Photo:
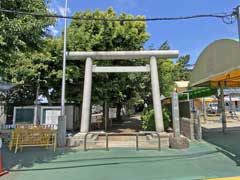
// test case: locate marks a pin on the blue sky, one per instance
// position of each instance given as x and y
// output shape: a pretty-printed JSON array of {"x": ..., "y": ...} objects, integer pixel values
[{"x": 188, "y": 36}]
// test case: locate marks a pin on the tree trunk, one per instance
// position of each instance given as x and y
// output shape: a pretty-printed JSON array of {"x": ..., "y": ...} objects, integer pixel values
[
  {"x": 49, "y": 99},
  {"x": 103, "y": 117},
  {"x": 119, "y": 107},
  {"x": 125, "y": 112},
  {"x": 106, "y": 115}
]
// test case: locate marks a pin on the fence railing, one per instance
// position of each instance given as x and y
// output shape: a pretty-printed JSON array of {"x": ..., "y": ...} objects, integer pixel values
[
  {"x": 137, "y": 134},
  {"x": 13, "y": 126}
]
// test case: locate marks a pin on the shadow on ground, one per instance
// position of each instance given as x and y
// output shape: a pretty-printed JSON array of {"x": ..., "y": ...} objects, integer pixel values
[
  {"x": 109, "y": 161},
  {"x": 227, "y": 143},
  {"x": 200, "y": 160},
  {"x": 29, "y": 156},
  {"x": 129, "y": 125}
]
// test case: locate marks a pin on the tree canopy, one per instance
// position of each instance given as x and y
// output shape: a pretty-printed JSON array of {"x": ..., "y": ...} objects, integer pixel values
[
  {"x": 27, "y": 49},
  {"x": 105, "y": 36},
  {"x": 22, "y": 42}
]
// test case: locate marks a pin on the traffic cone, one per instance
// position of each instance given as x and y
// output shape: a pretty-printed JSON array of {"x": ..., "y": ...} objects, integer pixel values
[{"x": 2, "y": 172}]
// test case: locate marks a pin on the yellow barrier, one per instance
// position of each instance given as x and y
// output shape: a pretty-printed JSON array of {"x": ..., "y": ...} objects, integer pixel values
[{"x": 31, "y": 136}]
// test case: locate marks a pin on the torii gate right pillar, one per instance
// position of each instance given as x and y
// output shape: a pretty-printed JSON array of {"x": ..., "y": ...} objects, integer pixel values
[{"x": 156, "y": 95}]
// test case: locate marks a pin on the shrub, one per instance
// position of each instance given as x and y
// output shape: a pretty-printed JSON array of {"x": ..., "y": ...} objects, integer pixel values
[{"x": 148, "y": 122}]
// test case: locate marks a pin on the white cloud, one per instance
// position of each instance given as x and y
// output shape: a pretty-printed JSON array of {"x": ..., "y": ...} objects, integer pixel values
[
  {"x": 53, "y": 31},
  {"x": 52, "y": 10},
  {"x": 61, "y": 10},
  {"x": 57, "y": 7}
]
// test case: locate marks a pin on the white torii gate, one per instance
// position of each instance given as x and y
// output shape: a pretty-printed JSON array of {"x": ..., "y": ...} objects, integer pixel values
[{"x": 121, "y": 55}]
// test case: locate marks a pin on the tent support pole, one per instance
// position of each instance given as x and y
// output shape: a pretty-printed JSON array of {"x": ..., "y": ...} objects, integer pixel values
[{"x": 224, "y": 123}]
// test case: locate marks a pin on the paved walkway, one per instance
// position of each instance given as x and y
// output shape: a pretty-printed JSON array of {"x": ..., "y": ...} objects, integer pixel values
[
  {"x": 215, "y": 124},
  {"x": 132, "y": 124},
  {"x": 228, "y": 143},
  {"x": 216, "y": 157},
  {"x": 201, "y": 160}
]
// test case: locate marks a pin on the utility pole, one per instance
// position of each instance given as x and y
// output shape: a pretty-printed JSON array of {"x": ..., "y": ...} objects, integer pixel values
[
  {"x": 237, "y": 12},
  {"x": 64, "y": 63},
  {"x": 224, "y": 123},
  {"x": 61, "y": 131},
  {"x": 36, "y": 120}
]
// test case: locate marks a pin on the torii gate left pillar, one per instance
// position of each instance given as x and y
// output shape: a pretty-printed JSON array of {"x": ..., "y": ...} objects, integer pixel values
[{"x": 87, "y": 91}]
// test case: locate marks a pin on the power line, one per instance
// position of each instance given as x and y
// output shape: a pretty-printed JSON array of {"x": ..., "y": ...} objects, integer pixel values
[{"x": 227, "y": 18}]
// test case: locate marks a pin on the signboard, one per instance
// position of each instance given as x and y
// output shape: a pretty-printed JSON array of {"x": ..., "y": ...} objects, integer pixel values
[
  {"x": 23, "y": 114},
  {"x": 51, "y": 116},
  {"x": 112, "y": 113}
]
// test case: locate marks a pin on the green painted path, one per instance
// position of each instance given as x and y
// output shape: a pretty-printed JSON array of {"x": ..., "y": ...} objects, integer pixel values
[{"x": 201, "y": 160}]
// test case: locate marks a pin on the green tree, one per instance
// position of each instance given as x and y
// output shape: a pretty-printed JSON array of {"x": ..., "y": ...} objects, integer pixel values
[
  {"x": 182, "y": 69},
  {"x": 170, "y": 71},
  {"x": 166, "y": 69},
  {"x": 148, "y": 121},
  {"x": 22, "y": 42},
  {"x": 104, "y": 36}
]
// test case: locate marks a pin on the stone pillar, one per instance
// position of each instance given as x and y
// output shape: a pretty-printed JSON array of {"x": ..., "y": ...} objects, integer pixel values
[
  {"x": 61, "y": 131},
  {"x": 198, "y": 126},
  {"x": 224, "y": 123},
  {"x": 156, "y": 95},
  {"x": 175, "y": 115},
  {"x": 86, "y": 103}
]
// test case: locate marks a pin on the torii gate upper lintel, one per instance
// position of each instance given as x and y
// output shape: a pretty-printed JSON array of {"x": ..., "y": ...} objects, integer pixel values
[{"x": 121, "y": 55}]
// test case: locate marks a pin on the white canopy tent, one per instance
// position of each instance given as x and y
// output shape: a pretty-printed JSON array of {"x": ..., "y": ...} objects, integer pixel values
[{"x": 218, "y": 66}]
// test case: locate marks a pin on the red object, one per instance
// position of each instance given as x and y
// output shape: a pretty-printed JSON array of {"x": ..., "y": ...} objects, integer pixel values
[{"x": 2, "y": 172}]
